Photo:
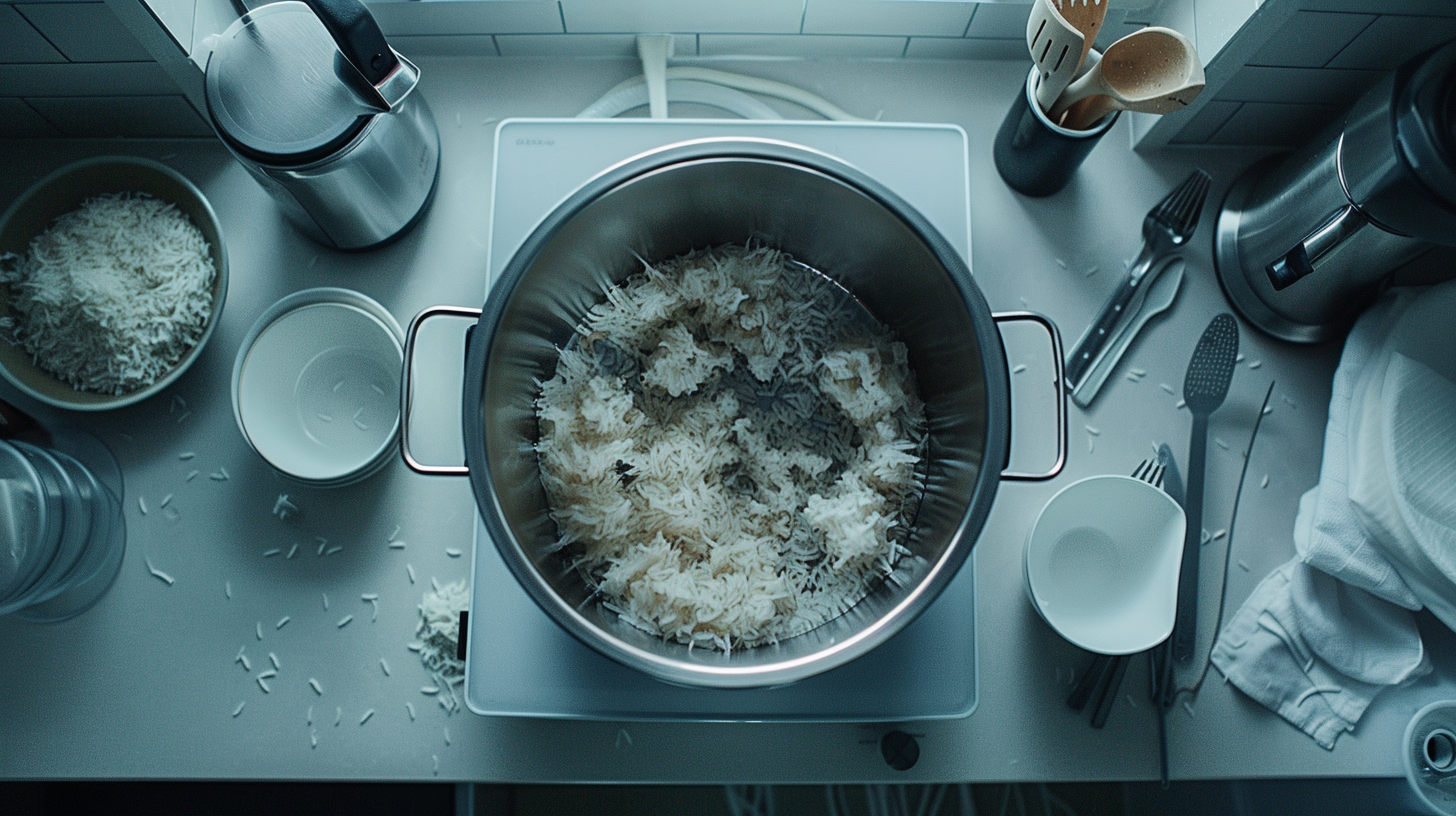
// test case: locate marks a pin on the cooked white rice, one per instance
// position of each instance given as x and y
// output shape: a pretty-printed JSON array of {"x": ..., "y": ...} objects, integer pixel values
[
  {"x": 112, "y": 295},
  {"x": 731, "y": 449}
]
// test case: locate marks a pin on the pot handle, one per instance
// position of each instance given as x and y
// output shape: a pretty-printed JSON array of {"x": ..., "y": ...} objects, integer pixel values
[
  {"x": 406, "y": 391},
  {"x": 1061, "y": 394}
]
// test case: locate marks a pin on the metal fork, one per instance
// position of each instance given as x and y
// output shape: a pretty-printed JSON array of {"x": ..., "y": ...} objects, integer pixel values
[
  {"x": 1166, "y": 229},
  {"x": 1103, "y": 678}
]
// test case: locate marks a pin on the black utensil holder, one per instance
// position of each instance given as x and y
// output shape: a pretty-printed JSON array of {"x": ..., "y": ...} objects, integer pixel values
[{"x": 1036, "y": 157}]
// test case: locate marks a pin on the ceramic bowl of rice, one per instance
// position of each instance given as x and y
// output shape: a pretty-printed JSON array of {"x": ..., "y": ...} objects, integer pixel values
[
  {"x": 735, "y": 414},
  {"x": 113, "y": 274}
]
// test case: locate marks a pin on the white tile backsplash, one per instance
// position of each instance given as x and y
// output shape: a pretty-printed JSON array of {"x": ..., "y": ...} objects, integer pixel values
[
  {"x": 800, "y": 45},
  {"x": 210, "y": 17},
  {"x": 567, "y": 45},
  {"x": 1202, "y": 126},
  {"x": 19, "y": 120},
  {"x": 999, "y": 20},
  {"x": 965, "y": 48},
  {"x": 929, "y": 19},
  {"x": 1432, "y": 8},
  {"x": 670, "y": 16},
  {"x": 1392, "y": 39},
  {"x": 1307, "y": 58},
  {"x": 1310, "y": 39},
  {"x": 1275, "y": 124},
  {"x": 85, "y": 79},
  {"x": 176, "y": 18},
  {"x": 84, "y": 32},
  {"x": 127, "y": 116},
  {"x": 470, "y": 17},
  {"x": 1324, "y": 86},
  {"x": 21, "y": 43},
  {"x": 1216, "y": 22},
  {"x": 445, "y": 45}
]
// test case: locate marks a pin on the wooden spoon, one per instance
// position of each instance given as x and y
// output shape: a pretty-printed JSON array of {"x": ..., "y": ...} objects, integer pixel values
[
  {"x": 1154, "y": 70},
  {"x": 1086, "y": 16},
  {"x": 1055, "y": 47}
]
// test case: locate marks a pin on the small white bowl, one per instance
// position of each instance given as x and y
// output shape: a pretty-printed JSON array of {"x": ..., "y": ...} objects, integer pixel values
[
  {"x": 1102, "y": 564},
  {"x": 316, "y": 386}
]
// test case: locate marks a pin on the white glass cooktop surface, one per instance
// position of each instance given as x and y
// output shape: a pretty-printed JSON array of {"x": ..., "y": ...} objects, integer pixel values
[{"x": 519, "y": 662}]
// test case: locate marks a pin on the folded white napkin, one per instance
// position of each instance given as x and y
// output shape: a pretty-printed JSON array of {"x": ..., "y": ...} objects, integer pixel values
[
  {"x": 1322, "y": 635},
  {"x": 1316, "y": 650}
]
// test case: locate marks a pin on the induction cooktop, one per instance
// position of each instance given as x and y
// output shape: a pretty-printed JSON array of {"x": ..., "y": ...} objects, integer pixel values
[{"x": 519, "y": 661}]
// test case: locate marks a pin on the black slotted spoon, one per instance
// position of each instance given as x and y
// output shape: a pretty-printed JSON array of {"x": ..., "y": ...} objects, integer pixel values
[{"x": 1204, "y": 388}]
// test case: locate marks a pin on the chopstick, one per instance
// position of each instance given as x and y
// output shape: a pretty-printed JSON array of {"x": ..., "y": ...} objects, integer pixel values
[
  {"x": 1098, "y": 686},
  {"x": 1109, "y": 692}
]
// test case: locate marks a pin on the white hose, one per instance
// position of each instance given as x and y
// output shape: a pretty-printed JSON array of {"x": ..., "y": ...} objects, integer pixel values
[
  {"x": 740, "y": 82},
  {"x": 620, "y": 100},
  {"x": 653, "y": 50}
]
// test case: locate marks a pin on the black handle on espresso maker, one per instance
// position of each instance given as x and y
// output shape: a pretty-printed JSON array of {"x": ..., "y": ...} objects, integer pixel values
[{"x": 358, "y": 37}]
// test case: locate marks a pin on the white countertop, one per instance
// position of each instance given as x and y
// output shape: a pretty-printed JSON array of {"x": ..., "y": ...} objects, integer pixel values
[{"x": 144, "y": 685}]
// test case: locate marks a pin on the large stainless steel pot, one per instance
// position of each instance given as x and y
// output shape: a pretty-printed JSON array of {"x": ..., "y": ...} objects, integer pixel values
[{"x": 824, "y": 213}]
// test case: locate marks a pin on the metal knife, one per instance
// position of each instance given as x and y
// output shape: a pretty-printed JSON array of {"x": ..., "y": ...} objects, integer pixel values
[
  {"x": 1172, "y": 480},
  {"x": 1149, "y": 301},
  {"x": 1166, "y": 230},
  {"x": 1161, "y": 663}
]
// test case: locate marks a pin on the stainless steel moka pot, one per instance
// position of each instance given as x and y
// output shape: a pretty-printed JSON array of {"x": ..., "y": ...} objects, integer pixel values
[
  {"x": 1304, "y": 243},
  {"x": 317, "y": 106}
]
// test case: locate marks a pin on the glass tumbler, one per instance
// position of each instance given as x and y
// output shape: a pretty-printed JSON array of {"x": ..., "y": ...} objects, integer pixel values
[{"x": 61, "y": 530}]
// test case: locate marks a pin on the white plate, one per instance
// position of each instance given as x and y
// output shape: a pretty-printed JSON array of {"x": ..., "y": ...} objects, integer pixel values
[
  {"x": 1102, "y": 564},
  {"x": 316, "y": 385}
]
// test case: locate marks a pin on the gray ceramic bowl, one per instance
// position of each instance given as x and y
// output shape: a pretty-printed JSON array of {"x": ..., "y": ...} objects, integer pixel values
[{"x": 65, "y": 190}]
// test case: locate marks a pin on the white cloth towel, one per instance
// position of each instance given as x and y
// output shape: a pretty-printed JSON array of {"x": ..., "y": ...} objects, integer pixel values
[
  {"x": 1316, "y": 650},
  {"x": 1326, "y": 632}
]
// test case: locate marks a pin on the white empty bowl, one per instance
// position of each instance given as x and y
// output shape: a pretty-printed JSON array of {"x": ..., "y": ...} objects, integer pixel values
[
  {"x": 316, "y": 386},
  {"x": 1102, "y": 564}
]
